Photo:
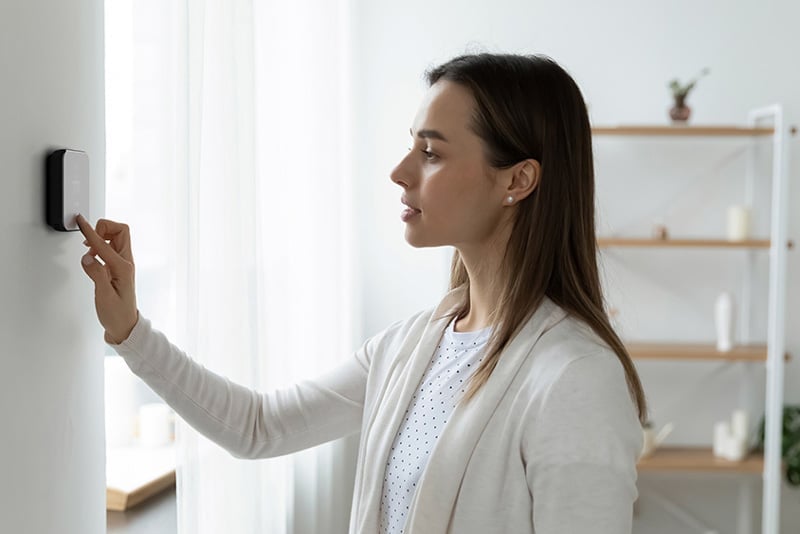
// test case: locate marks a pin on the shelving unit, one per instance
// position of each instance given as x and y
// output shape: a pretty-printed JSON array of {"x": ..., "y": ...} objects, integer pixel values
[
  {"x": 702, "y": 243},
  {"x": 772, "y": 353}
]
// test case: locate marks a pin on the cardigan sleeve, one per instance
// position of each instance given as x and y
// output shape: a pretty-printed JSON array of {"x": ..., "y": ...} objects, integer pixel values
[
  {"x": 581, "y": 450},
  {"x": 245, "y": 422}
]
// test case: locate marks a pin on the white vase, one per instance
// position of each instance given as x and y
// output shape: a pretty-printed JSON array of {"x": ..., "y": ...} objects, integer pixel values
[{"x": 723, "y": 318}]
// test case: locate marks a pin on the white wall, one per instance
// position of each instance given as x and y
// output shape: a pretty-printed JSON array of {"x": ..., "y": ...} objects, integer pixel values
[
  {"x": 52, "y": 455},
  {"x": 621, "y": 54}
]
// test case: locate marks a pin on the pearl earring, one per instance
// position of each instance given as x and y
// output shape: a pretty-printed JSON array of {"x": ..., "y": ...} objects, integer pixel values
[{"x": 510, "y": 200}]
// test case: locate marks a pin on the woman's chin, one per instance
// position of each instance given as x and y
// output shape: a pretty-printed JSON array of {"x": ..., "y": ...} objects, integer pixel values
[
  {"x": 414, "y": 243},
  {"x": 416, "y": 240}
]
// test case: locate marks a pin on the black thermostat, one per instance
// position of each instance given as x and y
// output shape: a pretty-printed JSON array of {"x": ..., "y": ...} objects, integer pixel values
[{"x": 67, "y": 188}]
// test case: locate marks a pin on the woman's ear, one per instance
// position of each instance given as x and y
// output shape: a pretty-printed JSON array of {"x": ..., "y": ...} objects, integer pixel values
[{"x": 525, "y": 178}]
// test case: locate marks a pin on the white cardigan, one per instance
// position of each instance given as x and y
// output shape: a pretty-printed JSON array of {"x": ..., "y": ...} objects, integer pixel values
[{"x": 548, "y": 446}]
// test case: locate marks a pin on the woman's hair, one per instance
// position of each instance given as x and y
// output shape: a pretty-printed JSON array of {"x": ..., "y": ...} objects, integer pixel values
[{"x": 528, "y": 107}]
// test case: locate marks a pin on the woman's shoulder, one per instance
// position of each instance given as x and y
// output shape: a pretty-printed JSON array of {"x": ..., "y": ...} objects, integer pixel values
[
  {"x": 570, "y": 344},
  {"x": 571, "y": 369},
  {"x": 572, "y": 338}
]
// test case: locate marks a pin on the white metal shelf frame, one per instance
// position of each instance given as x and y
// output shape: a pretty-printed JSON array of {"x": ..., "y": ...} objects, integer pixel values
[{"x": 776, "y": 322}]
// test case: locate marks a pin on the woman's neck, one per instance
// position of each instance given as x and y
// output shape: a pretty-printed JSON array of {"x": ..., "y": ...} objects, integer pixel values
[{"x": 483, "y": 269}]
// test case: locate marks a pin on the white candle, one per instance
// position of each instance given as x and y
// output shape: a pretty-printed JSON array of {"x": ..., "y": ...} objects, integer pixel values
[
  {"x": 722, "y": 433},
  {"x": 738, "y": 223},
  {"x": 740, "y": 425},
  {"x": 735, "y": 449}
]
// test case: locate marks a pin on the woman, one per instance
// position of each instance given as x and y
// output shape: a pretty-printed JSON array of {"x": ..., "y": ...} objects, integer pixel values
[{"x": 510, "y": 407}]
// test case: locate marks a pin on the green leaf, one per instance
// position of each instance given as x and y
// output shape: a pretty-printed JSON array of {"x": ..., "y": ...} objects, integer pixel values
[{"x": 790, "y": 442}]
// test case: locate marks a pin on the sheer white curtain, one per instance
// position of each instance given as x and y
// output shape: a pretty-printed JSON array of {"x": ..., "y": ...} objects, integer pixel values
[{"x": 240, "y": 134}]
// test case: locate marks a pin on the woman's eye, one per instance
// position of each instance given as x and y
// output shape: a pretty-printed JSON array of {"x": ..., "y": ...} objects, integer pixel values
[{"x": 429, "y": 154}]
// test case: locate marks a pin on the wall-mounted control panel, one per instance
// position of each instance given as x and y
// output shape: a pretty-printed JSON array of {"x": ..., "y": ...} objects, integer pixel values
[{"x": 67, "y": 188}]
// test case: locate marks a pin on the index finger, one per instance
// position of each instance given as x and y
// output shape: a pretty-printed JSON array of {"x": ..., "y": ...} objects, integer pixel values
[
  {"x": 119, "y": 234},
  {"x": 103, "y": 249}
]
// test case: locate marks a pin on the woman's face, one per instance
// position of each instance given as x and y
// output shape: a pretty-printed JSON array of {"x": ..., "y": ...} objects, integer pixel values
[{"x": 446, "y": 176}]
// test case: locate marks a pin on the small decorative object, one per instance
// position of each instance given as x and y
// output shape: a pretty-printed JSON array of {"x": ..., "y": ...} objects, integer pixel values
[
  {"x": 722, "y": 433},
  {"x": 730, "y": 437},
  {"x": 790, "y": 443},
  {"x": 738, "y": 223},
  {"x": 679, "y": 113},
  {"x": 740, "y": 424},
  {"x": 651, "y": 439},
  {"x": 735, "y": 450},
  {"x": 659, "y": 230},
  {"x": 723, "y": 318}
]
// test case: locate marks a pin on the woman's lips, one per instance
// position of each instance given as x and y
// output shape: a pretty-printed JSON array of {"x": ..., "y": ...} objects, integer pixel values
[{"x": 409, "y": 213}]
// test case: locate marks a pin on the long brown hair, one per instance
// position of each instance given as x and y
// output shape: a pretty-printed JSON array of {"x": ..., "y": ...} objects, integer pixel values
[{"x": 528, "y": 107}]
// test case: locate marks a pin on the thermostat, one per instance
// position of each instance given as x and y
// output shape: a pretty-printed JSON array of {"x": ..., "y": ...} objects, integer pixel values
[{"x": 67, "y": 188}]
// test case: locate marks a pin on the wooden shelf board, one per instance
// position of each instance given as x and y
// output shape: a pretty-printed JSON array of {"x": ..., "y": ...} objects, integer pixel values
[
  {"x": 688, "y": 242},
  {"x": 134, "y": 474},
  {"x": 698, "y": 459},
  {"x": 696, "y": 351},
  {"x": 673, "y": 130},
  {"x": 119, "y": 500}
]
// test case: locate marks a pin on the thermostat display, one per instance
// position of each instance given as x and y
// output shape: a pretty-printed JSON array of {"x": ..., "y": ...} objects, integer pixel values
[{"x": 67, "y": 188}]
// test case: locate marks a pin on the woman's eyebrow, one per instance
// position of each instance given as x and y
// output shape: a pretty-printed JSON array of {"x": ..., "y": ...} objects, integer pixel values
[{"x": 433, "y": 134}]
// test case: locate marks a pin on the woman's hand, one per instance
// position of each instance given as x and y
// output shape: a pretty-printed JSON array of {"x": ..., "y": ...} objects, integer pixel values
[{"x": 114, "y": 287}]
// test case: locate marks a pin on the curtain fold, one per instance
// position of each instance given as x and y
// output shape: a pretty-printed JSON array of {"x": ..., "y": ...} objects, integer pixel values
[
  {"x": 229, "y": 157},
  {"x": 263, "y": 226}
]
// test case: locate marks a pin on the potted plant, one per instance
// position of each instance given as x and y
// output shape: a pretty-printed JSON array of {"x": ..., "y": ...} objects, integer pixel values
[
  {"x": 680, "y": 112},
  {"x": 790, "y": 443}
]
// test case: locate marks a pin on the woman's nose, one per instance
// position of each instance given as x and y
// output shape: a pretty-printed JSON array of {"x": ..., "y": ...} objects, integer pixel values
[{"x": 399, "y": 174}]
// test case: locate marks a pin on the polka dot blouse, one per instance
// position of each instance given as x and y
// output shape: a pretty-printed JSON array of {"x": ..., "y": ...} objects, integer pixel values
[{"x": 442, "y": 385}]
